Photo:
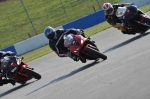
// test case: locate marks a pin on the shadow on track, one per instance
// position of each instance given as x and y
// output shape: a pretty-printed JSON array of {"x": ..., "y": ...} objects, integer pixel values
[
  {"x": 14, "y": 89},
  {"x": 68, "y": 75},
  {"x": 126, "y": 42}
]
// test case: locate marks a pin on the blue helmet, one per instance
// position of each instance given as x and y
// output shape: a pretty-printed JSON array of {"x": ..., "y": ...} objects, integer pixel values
[{"x": 50, "y": 32}]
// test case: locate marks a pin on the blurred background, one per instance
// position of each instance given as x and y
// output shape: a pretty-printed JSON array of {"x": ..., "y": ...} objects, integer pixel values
[{"x": 22, "y": 19}]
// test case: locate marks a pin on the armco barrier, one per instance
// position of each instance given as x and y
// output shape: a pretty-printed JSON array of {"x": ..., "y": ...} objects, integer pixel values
[
  {"x": 32, "y": 43},
  {"x": 87, "y": 21}
]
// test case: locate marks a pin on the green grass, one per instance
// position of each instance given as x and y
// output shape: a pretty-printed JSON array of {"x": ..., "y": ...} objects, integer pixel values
[
  {"x": 15, "y": 26},
  {"x": 88, "y": 32},
  {"x": 146, "y": 8}
]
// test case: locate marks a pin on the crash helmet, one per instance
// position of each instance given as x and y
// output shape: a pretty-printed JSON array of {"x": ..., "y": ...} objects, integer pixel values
[
  {"x": 108, "y": 8},
  {"x": 50, "y": 32}
]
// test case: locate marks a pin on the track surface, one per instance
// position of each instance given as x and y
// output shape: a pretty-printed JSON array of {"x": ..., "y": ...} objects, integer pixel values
[{"x": 124, "y": 75}]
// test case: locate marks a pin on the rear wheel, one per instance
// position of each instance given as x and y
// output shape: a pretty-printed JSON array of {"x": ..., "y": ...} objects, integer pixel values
[
  {"x": 32, "y": 73},
  {"x": 96, "y": 53}
]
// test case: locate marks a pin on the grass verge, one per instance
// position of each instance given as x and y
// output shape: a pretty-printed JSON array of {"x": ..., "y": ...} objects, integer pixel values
[
  {"x": 88, "y": 32},
  {"x": 15, "y": 24}
]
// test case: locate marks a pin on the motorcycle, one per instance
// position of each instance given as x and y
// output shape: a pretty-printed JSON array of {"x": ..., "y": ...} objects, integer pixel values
[
  {"x": 15, "y": 69},
  {"x": 131, "y": 18},
  {"x": 82, "y": 47}
]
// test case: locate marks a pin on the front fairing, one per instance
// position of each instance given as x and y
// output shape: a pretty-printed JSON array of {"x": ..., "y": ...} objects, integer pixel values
[
  {"x": 14, "y": 66},
  {"x": 121, "y": 11},
  {"x": 77, "y": 46},
  {"x": 76, "y": 43}
]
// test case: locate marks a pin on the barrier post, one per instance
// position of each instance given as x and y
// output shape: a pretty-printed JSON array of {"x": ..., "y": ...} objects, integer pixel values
[
  {"x": 28, "y": 17},
  {"x": 64, "y": 10}
]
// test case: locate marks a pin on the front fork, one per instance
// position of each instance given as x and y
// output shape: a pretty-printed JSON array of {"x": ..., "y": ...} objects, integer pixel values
[
  {"x": 91, "y": 44},
  {"x": 22, "y": 68}
]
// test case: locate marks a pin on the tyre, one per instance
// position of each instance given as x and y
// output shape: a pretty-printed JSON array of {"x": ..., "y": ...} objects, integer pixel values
[
  {"x": 147, "y": 20},
  {"x": 32, "y": 73},
  {"x": 96, "y": 53}
]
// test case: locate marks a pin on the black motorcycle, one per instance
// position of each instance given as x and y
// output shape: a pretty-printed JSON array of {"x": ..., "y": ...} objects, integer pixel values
[{"x": 132, "y": 18}]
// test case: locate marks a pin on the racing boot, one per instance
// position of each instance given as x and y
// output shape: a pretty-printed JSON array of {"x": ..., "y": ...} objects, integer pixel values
[
  {"x": 12, "y": 82},
  {"x": 5, "y": 81},
  {"x": 83, "y": 60},
  {"x": 128, "y": 32}
]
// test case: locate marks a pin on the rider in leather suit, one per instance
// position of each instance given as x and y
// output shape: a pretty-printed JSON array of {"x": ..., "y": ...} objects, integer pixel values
[
  {"x": 112, "y": 19},
  {"x": 5, "y": 81},
  {"x": 54, "y": 35}
]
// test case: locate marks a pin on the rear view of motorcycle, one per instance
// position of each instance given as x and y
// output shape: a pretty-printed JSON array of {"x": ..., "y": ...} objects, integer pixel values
[
  {"x": 15, "y": 69},
  {"x": 83, "y": 47},
  {"x": 133, "y": 19}
]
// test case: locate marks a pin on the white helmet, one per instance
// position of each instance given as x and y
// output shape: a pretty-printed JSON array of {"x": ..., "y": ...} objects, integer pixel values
[{"x": 108, "y": 8}]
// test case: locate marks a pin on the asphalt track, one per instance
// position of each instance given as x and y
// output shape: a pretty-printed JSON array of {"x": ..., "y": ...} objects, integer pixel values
[{"x": 124, "y": 75}]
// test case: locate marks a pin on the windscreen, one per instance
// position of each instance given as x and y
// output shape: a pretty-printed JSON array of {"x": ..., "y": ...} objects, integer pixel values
[
  {"x": 68, "y": 39},
  {"x": 120, "y": 11}
]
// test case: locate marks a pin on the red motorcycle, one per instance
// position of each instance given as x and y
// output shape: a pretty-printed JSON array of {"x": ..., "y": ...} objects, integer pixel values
[
  {"x": 15, "y": 69},
  {"x": 82, "y": 47}
]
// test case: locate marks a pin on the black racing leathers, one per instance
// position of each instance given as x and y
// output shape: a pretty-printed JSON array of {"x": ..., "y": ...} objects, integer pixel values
[
  {"x": 114, "y": 20},
  {"x": 61, "y": 51}
]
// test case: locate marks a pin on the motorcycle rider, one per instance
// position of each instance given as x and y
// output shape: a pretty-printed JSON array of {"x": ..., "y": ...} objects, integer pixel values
[
  {"x": 54, "y": 35},
  {"x": 2, "y": 73},
  {"x": 112, "y": 19}
]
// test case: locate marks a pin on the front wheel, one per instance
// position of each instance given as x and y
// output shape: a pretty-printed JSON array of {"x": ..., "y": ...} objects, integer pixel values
[
  {"x": 32, "y": 73},
  {"x": 96, "y": 53}
]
